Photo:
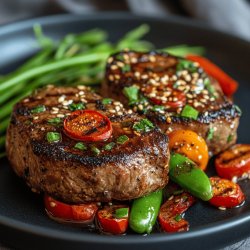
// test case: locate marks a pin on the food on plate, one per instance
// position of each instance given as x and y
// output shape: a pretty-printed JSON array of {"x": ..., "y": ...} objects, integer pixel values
[
  {"x": 226, "y": 194},
  {"x": 46, "y": 148},
  {"x": 234, "y": 162},
  {"x": 174, "y": 93}
]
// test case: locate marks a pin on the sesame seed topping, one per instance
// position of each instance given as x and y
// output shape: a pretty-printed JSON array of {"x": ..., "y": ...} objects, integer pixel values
[{"x": 60, "y": 116}]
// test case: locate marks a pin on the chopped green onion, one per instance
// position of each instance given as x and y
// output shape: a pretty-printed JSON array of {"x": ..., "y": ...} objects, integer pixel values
[
  {"x": 209, "y": 87},
  {"x": 80, "y": 146},
  {"x": 185, "y": 64},
  {"x": 106, "y": 101},
  {"x": 121, "y": 212},
  {"x": 126, "y": 68},
  {"x": 38, "y": 109},
  {"x": 131, "y": 93},
  {"x": 177, "y": 217},
  {"x": 158, "y": 108},
  {"x": 238, "y": 109},
  {"x": 76, "y": 106},
  {"x": 53, "y": 137},
  {"x": 95, "y": 150},
  {"x": 184, "y": 50},
  {"x": 122, "y": 139},
  {"x": 229, "y": 138},
  {"x": 55, "y": 121},
  {"x": 210, "y": 134},
  {"x": 190, "y": 112},
  {"x": 143, "y": 125},
  {"x": 120, "y": 57},
  {"x": 109, "y": 146}
]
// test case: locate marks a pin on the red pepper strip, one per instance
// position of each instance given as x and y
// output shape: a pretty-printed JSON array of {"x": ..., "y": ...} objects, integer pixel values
[
  {"x": 170, "y": 216},
  {"x": 228, "y": 84}
]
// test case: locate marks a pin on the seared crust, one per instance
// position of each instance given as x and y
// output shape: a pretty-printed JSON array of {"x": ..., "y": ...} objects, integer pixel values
[
  {"x": 153, "y": 73},
  {"x": 129, "y": 170}
]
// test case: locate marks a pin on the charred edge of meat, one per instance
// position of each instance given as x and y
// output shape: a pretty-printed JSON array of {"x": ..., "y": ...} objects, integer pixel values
[{"x": 57, "y": 152}]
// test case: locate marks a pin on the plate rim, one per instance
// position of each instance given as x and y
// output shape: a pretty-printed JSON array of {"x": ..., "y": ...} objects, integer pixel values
[{"x": 199, "y": 231}]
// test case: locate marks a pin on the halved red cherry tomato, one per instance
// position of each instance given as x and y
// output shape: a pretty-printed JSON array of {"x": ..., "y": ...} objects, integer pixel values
[
  {"x": 83, "y": 213},
  {"x": 191, "y": 145},
  {"x": 234, "y": 162},
  {"x": 226, "y": 193},
  {"x": 109, "y": 222},
  {"x": 228, "y": 84},
  {"x": 88, "y": 125},
  {"x": 170, "y": 216}
]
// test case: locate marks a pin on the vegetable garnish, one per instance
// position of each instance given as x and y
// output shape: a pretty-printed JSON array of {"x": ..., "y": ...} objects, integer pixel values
[
  {"x": 76, "y": 106},
  {"x": 122, "y": 139},
  {"x": 53, "y": 137},
  {"x": 83, "y": 213},
  {"x": 126, "y": 68},
  {"x": 38, "y": 109},
  {"x": 185, "y": 173},
  {"x": 80, "y": 146},
  {"x": 109, "y": 146},
  {"x": 143, "y": 125},
  {"x": 113, "y": 219},
  {"x": 95, "y": 150},
  {"x": 234, "y": 162},
  {"x": 170, "y": 215},
  {"x": 226, "y": 194},
  {"x": 190, "y": 112},
  {"x": 228, "y": 85},
  {"x": 87, "y": 125},
  {"x": 106, "y": 101},
  {"x": 191, "y": 145},
  {"x": 157, "y": 108},
  {"x": 186, "y": 65},
  {"x": 131, "y": 93},
  {"x": 55, "y": 121},
  {"x": 210, "y": 134}
]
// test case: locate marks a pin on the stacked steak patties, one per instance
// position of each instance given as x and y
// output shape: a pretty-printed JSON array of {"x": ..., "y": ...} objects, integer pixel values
[
  {"x": 174, "y": 94},
  {"x": 78, "y": 147}
]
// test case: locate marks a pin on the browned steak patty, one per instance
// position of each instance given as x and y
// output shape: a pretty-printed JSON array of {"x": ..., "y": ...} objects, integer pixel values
[
  {"x": 163, "y": 86},
  {"x": 126, "y": 171}
]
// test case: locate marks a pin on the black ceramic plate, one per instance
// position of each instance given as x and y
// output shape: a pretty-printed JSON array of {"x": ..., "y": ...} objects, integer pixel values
[{"x": 23, "y": 222}]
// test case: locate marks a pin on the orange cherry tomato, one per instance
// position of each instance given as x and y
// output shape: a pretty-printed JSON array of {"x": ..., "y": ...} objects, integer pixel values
[
  {"x": 228, "y": 84},
  {"x": 234, "y": 162},
  {"x": 87, "y": 125},
  {"x": 111, "y": 224},
  {"x": 58, "y": 210},
  {"x": 226, "y": 193},
  {"x": 191, "y": 145},
  {"x": 170, "y": 215}
]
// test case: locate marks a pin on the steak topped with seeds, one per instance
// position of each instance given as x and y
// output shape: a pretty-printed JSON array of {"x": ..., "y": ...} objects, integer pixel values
[
  {"x": 174, "y": 94},
  {"x": 131, "y": 163}
]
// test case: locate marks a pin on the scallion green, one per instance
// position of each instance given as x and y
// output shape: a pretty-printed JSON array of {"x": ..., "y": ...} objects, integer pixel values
[
  {"x": 53, "y": 137},
  {"x": 190, "y": 112}
]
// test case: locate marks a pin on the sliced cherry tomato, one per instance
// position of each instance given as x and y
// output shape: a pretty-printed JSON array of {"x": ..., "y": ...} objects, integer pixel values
[
  {"x": 88, "y": 125},
  {"x": 170, "y": 216},
  {"x": 191, "y": 145},
  {"x": 228, "y": 84},
  {"x": 83, "y": 213},
  {"x": 234, "y": 162},
  {"x": 226, "y": 193},
  {"x": 109, "y": 222}
]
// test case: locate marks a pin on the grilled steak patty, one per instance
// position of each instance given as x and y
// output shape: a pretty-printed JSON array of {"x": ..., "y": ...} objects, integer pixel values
[
  {"x": 161, "y": 86},
  {"x": 126, "y": 171}
]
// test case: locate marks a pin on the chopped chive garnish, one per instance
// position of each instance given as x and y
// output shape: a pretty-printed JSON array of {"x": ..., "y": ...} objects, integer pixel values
[
  {"x": 120, "y": 57},
  {"x": 229, "y": 138},
  {"x": 106, "y": 101},
  {"x": 209, "y": 87},
  {"x": 210, "y": 134},
  {"x": 55, "y": 121},
  {"x": 238, "y": 109},
  {"x": 53, "y": 137},
  {"x": 143, "y": 125},
  {"x": 121, "y": 212},
  {"x": 76, "y": 106},
  {"x": 158, "y": 108},
  {"x": 185, "y": 64},
  {"x": 177, "y": 217},
  {"x": 190, "y": 112},
  {"x": 175, "y": 85},
  {"x": 126, "y": 68},
  {"x": 122, "y": 139},
  {"x": 80, "y": 146},
  {"x": 109, "y": 146},
  {"x": 131, "y": 93},
  {"x": 38, "y": 109},
  {"x": 95, "y": 150}
]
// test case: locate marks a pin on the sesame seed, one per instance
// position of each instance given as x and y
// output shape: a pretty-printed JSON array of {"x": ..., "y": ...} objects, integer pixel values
[
  {"x": 137, "y": 133},
  {"x": 130, "y": 111},
  {"x": 117, "y": 77},
  {"x": 42, "y": 128},
  {"x": 117, "y": 108},
  {"x": 169, "y": 120},
  {"x": 61, "y": 98},
  {"x": 222, "y": 208},
  {"x": 81, "y": 93},
  {"x": 55, "y": 108},
  {"x": 171, "y": 198},
  {"x": 112, "y": 111},
  {"x": 188, "y": 78},
  {"x": 54, "y": 112},
  {"x": 120, "y": 64},
  {"x": 82, "y": 87},
  {"x": 60, "y": 116},
  {"x": 111, "y": 78},
  {"x": 137, "y": 74},
  {"x": 35, "y": 117},
  {"x": 140, "y": 107},
  {"x": 26, "y": 100},
  {"x": 144, "y": 76},
  {"x": 119, "y": 113},
  {"x": 110, "y": 60},
  {"x": 114, "y": 67},
  {"x": 133, "y": 60}
]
